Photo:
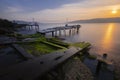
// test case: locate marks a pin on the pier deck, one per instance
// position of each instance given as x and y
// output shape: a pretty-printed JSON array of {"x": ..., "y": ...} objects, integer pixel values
[{"x": 55, "y": 29}]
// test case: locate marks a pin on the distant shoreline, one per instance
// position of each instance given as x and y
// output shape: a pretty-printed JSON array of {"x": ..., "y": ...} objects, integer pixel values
[{"x": 98, "y": 20}]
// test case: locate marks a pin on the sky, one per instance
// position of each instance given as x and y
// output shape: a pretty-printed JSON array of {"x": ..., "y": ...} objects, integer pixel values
[{"x": 58, "y": 10}]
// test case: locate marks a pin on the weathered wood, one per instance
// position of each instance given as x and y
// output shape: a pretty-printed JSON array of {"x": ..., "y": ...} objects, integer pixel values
[
  {"x": 31, "y": 69},
  {"x": 15, "y": 42},
  {"x": 52, "y": 34},
  {"x": 23, "y": 52}
]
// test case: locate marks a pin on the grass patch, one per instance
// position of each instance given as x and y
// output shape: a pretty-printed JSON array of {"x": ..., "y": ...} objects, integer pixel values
[
  {"x": 81, "y": 44},
  {"x": 41, "y": 45},
  {"x": 38, "y": 49},
  {"x": 36, "y": 35},
  {"x": 52, "y": 44},
  {"x": 21, "y": 36},
  {"x": 58, "y": 42}
]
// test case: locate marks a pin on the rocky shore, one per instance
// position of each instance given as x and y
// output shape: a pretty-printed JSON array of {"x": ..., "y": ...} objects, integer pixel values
[
  {"x": 117, "y": 70},
  {"x": 76, "y": 70},
  {"x": 73, "y": 69}
]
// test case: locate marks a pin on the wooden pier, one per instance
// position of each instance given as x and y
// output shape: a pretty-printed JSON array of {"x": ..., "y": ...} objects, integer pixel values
[
  {"x": 33, "y": 69},
  {"x": 62, "y": 28}
]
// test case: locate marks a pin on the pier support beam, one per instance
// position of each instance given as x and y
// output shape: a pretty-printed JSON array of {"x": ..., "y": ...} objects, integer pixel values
[
  {"x": 55, "y": 32},
  {"x": 28, "y": 27},
  {"x": 70, "y": 32},
  {"x": 78, "y": 27},
  {"x": 65, "y": 32},
  {"x": 60, "y": 32},
  {"x": 38, "y": 28},
  {"x": 52, "y": 33}
]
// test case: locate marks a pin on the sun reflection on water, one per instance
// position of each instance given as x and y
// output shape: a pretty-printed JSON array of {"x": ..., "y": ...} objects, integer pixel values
[{"x": 108, "y": 38}]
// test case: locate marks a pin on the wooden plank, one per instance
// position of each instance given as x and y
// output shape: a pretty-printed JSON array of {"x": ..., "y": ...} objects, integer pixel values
[
  {"x": 30, "y": 70},
  {"x": 23, "y": 52}
]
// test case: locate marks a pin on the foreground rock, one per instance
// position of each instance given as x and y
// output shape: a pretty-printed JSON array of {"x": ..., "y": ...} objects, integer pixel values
[
  {"x": 73, "y": 69},
  {"x": 117, "y": 70},
  {"x": 76, "y": 70}
]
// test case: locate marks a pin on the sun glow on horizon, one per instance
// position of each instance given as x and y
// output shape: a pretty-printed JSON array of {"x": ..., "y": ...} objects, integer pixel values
[{"x": 114, "y": 11}]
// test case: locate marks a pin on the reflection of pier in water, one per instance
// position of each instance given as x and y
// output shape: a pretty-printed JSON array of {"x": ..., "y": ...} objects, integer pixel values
[{"x": 54, "y": 30}]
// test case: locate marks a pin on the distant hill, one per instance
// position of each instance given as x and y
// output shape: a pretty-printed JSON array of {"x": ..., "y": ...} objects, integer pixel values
[{"x": 99, "y": 20}]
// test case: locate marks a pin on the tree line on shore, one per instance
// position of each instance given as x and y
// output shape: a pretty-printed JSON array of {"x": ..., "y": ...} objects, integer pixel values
[{"x": 7, "y": 26}]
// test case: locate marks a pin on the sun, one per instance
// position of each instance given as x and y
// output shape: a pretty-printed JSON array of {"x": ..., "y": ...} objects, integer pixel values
[{"x": 114, "y": 11}]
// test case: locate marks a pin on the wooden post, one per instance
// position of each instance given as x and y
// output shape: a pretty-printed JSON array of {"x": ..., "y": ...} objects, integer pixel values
[
  {"x": 26, "y": 27},
  {"x": 65, "y": 32},
  {"x": 104, "y": 56},
  {"x": 38, "y": 27},
  {"x": 52, "y": 33},
  {"x": 98, "y": 66},
  {"x": 69, "y": 31},
  {"x": 73, "y": 30},
  {"x": 35, "y": 28},
  {"x": 29, "y": 27},
  {"x": 78, "y": 28},
  {"x": 55, "y": 32},
  {"x": 59, "y": 32}
]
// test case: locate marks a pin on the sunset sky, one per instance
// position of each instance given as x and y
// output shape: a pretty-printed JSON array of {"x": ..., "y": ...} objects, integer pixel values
[{"x": 58, "y": 10}]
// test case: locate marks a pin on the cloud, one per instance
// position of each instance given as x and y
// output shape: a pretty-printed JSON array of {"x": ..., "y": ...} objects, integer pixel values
[
  {"x": 81, "y": 10},
  {"x": 74, "y": 11}
]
